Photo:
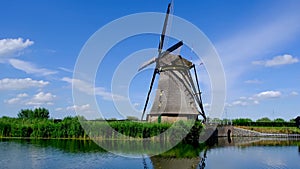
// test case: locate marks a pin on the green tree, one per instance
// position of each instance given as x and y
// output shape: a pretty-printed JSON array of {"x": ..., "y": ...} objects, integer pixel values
[
  {"x": 242, "y": 121},
  {"x": 132, "y": 118},
  {"x": 25, "y": 114},
  {"x": 264, "y": 119},
  {"x": 279, "y": 120},
  {"x": 41, "y": 113}
]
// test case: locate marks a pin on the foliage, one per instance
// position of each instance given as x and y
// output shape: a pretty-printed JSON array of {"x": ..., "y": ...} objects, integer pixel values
[
  {"x": 292, "y": 120},
  {"x": 264, "y": 119},
  {"x": 266, "y": 122},
  {"x": 132, "y": 118},
  {"x": 70, "y": 127},
  {"x": 41, "y": 113},
  {"x": 241, "y": 121},
  {"x": 132, "y": 129},
  {"x": 279, "y": 120}
]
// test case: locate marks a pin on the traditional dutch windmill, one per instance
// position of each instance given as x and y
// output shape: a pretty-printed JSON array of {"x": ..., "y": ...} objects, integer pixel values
[{"x": 177, "y": 96}]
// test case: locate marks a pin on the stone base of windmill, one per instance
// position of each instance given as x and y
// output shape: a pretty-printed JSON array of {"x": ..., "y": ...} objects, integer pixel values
[{"x": 170, "y": 117}]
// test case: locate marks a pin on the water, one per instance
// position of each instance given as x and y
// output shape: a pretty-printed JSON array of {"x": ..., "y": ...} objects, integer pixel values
[{"x": 65, "y": 154}]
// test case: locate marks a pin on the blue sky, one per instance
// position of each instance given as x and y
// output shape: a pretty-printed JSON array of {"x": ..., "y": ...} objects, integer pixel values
[{"x": 257, "y": 41}]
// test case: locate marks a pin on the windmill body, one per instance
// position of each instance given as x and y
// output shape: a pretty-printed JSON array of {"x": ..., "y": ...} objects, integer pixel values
[
  {"x": 174, "y": 99},
  {"x": 177, "y": 97}
]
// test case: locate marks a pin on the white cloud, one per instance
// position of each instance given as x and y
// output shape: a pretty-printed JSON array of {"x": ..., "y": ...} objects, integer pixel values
[
  {"x": 136, "y": 105},
  {"x": 268, "y": 94},
  {"x": 38, "y": 99},
  {"x": 41, "y": 98},
  {"x": 17, "y": 99},
  {"x": 84, "y": 107},
  {"x": 242, "y": 102},
  {"x": 58, "y": 109},
  {"x": 294, "y": 93},
  {"x": 66, "y": 69},
  {"x": 243, "y": 98},
  {"x": 12, "y": 100},
  {"x": 277, "y": 61},
  {"x": 255, "y": 102},
  {"x": 30, "y": 68},
  {"x": 11, "y": 46},
  {"x": 85, "y": 110},
  {"x": 239, "y": 103},
  {"x": 255, "y": 99},
  {"x": 17, "y": 84},
  {"x": 89, "y": 89},
  {"x": 254, "y": 81},
  {"x": 228, "y": 104},
  {"x": 206, "y": 105},
  {"x": 21, "y": 95}
]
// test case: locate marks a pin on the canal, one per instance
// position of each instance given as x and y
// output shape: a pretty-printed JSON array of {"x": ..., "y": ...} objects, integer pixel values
[{"x": 219, "y": 153}]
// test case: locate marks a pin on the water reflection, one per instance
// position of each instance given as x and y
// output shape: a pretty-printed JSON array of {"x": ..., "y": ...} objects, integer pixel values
[
  {"x": 232, "y": 151},
  {"x": 207, "y": 155},
  {"x": 202, "y": 162},
  {"x": 181, "y": 156}
]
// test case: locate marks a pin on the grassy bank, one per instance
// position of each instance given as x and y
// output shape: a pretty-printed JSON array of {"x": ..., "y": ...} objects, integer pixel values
[
  {"x": 71, "y": 128},
  {"x": 273, "y": 130}
]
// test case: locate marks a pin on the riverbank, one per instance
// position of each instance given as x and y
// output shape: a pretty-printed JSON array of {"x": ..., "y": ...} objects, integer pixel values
[
  {"x": 272, "y": 130},
  {"x": 74, "y": 127}
]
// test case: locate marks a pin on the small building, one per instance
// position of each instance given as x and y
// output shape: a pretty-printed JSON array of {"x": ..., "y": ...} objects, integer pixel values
[{"x": 298, "y": 121}]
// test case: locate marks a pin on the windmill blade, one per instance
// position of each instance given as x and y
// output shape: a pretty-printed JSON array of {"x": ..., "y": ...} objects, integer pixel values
[
  {"x": 171, "y": 49},
  {"x": 162, "y": 36},
  {"x": 149, "y": 62},
  {"x": 169, "y": 25},
  {"x": 202, "y": 113},
  {"x": 149, "y": 92},
  {"x": 174, "y": 47}
]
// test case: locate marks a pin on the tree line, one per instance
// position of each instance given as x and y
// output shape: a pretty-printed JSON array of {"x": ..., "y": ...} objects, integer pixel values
[{"x": 264, "y": 122}]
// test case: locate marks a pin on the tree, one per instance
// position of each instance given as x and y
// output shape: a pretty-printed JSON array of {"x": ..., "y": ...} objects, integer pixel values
[
  {"x": 25, "y": 114},
  {"x": 298, "y": 121},
  {"x": 40, "y": 113},
  {"x": 132, "y": 118},
  {"x": 242, "y": 121},
  {"x": 279, "y": 120},
  {"x": 264, "y": 119}
]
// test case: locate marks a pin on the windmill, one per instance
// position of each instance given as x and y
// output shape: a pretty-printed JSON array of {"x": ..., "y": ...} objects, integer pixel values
[{"x": 177, "y": 96}]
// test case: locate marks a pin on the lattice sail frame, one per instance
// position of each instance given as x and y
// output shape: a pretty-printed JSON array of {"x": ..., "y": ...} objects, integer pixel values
[{"x": 176, "y": 94}]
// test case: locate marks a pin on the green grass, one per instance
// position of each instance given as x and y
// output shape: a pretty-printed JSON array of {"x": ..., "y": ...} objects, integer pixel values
[
  {"x": 72, "y": 127},
  {"x": 277, "y": 130}
]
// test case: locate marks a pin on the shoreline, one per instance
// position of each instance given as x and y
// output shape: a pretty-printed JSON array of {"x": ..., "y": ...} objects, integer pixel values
[{"x": 242, "y": 131}]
